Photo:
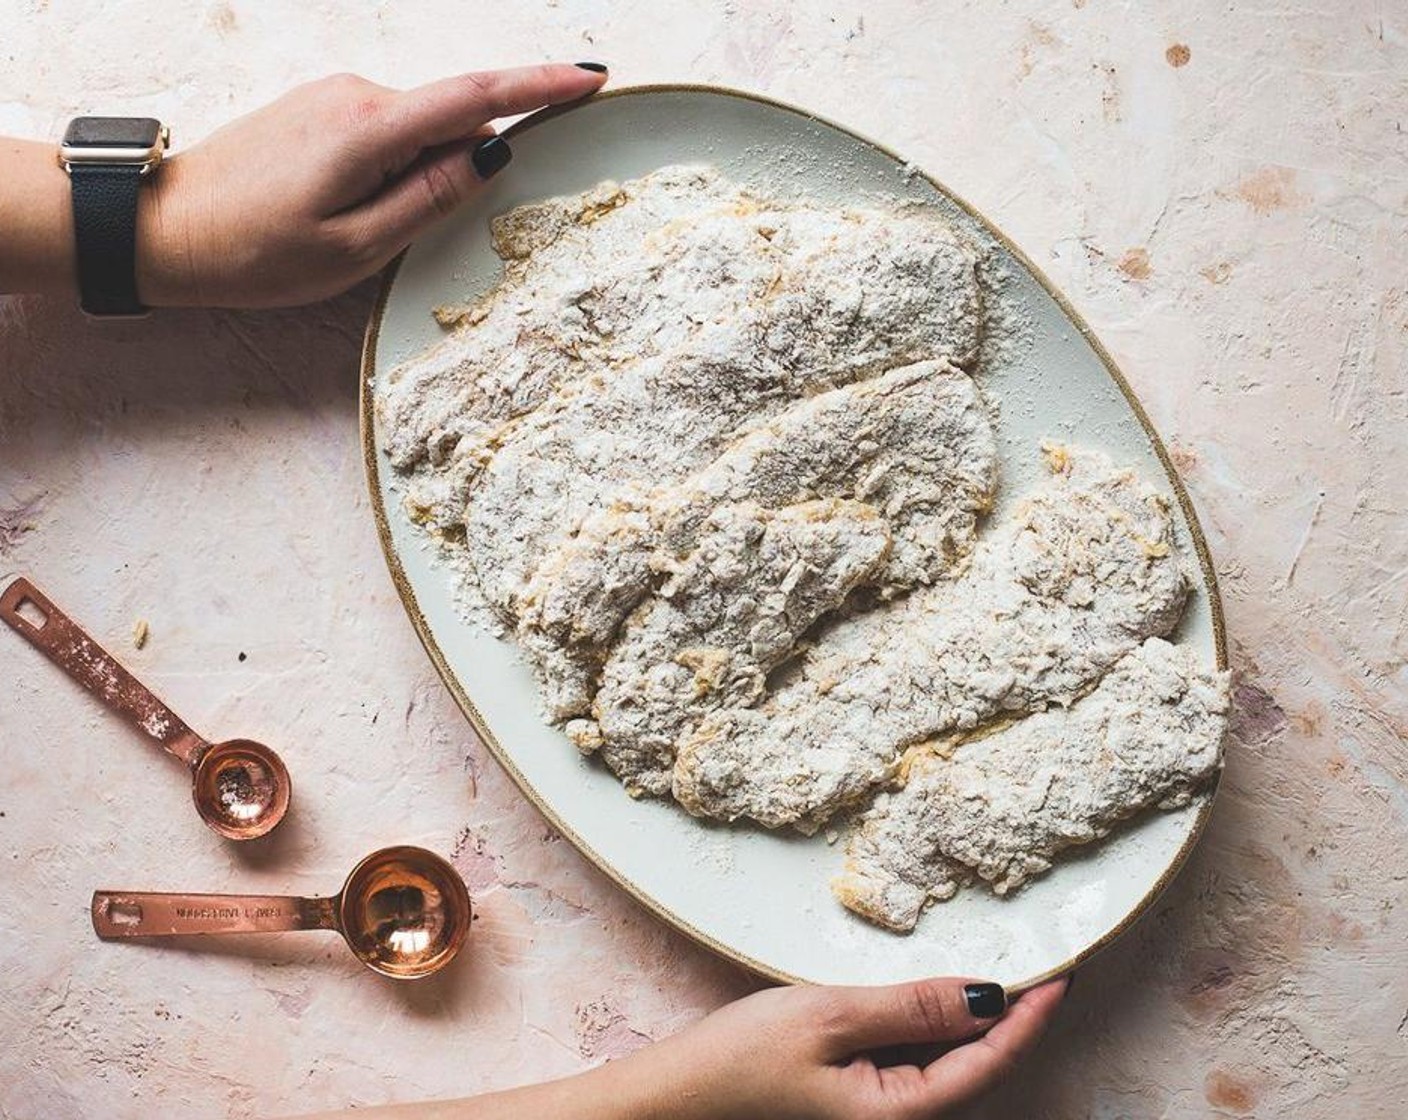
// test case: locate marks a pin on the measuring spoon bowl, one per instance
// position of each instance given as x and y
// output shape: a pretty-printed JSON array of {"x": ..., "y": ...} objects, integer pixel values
[
  {"x": 241, "y": 788},
  {"x": 404, "y": 911}
]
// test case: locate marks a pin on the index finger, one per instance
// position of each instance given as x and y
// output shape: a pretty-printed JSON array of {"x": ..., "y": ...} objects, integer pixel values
[
  {"x": 453, "y": 108},
  {"x": 968, "y": 1070}
]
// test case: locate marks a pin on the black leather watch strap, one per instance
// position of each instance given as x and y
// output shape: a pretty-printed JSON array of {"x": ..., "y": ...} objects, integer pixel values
[{"x": 105, "y": 230}]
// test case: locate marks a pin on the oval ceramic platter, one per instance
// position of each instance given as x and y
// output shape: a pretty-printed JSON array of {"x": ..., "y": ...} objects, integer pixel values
[{"x": 763, "y": 899}]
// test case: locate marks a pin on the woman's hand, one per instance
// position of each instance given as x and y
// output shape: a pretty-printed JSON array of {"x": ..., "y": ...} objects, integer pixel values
[
  {"x": 303, "y": 198},
  {"x": 812, "y": 1053},
  {"x": 801, "y": 1053}
]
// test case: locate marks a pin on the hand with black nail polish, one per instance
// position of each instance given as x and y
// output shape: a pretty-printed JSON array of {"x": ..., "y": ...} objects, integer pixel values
[
  {"x": 906, "y": 1052},
  {"x": 812, "y": 1053},
  {"x": 303, "y": 198}
]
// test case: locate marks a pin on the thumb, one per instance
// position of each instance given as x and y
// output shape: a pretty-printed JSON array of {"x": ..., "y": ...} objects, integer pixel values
[
  {"x": 935, "y": 1010},
  {"x": 966, "y": 1071}
]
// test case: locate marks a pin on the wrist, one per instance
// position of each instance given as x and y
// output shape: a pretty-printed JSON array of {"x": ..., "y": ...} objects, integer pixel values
[
  {"x": 639, "y": 1087},
  {"x": 165, "y": 263},
  {"x": 659, "y": 1082},
  {"x": 36, "y": 221}
]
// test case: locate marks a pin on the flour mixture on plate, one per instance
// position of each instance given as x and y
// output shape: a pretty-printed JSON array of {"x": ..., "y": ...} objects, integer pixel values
[{"x": 719, "y": 463}]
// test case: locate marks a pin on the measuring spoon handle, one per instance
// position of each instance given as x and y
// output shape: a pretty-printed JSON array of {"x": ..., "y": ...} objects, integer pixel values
[
  {"x": 118, "y": 914},
  {"x": 64, "y": 643}
]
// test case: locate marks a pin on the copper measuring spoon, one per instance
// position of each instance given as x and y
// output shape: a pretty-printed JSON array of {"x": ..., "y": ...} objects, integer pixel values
[
  {"x": 404, "y": 911},
  {"x": 241, "y": 788}
]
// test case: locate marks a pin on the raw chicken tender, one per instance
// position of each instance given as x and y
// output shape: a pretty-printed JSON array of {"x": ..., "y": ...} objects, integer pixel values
[
  {"x": 731, "y": 612},
  {"x": 1005, "y": 804}
]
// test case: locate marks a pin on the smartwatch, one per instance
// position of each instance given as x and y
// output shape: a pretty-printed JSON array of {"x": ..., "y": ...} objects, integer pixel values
[{"x": 106, "y": 159}]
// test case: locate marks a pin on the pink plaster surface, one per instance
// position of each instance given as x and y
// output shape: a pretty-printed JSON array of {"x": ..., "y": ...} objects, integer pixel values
[{"x": 1232, "y": 219}]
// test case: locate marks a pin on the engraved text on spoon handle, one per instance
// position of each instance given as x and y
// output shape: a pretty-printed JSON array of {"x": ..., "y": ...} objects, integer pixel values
[{"x": 151, "y": 914}]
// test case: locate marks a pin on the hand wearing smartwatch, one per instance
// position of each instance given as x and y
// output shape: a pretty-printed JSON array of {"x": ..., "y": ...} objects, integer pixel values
[
  {"x": 292, "y": 203},
  {"x": 107, "y": 160}
]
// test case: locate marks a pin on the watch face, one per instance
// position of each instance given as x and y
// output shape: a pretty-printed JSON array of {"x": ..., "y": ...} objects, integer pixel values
[{"x": 112, "y": 132}]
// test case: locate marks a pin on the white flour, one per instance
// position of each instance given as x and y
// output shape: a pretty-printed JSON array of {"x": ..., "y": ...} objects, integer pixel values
[{"x": 717, "y": 462}]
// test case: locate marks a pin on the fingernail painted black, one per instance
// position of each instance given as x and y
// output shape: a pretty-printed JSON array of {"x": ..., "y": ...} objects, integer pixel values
[
  {"x": 490, "y": 156},
  {"x": 985, "y": 1001},
  {"x": 594, "y": 67}
]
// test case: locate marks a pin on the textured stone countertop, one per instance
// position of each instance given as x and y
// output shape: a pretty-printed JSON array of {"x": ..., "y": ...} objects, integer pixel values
[{"x": 1221, "y": 188}]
